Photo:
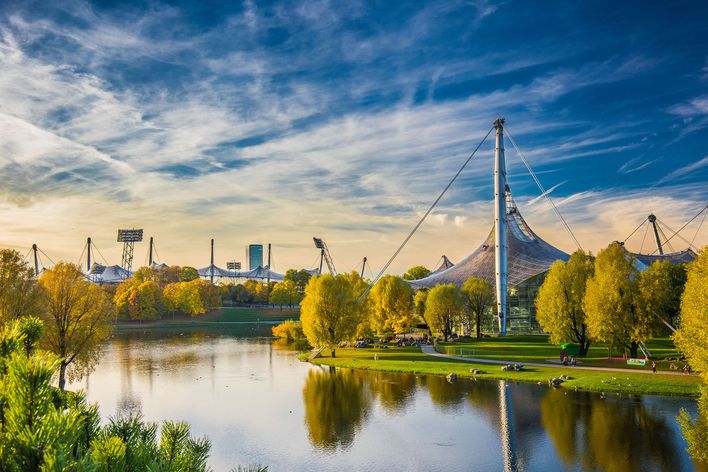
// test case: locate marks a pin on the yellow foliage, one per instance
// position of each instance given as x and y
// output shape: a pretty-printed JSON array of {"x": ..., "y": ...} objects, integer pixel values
[
  {"x": 392, "y": 303},
  {"x": 692, "y": 335},
  {"x": 330, "y": 311}
]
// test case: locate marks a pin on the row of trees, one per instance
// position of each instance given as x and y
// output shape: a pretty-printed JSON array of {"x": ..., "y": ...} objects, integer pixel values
[
  {"x": 152, "y": 294},
  {"x": 333, "y": 309},
  {"x": 608, "y": 299}
]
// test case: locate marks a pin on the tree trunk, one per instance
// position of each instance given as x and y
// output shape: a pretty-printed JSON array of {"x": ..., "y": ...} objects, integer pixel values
[
  {"x": 584, "y": 344},
  {"x": 62, "y": 376},
  {"x": 633, "y": 350},
  {"x": 479, "y": 327},
  {"x": 333, "y": 355}
]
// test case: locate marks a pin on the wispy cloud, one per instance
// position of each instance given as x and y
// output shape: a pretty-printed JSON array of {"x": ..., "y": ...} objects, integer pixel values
[{"x": 279, "y": 121}]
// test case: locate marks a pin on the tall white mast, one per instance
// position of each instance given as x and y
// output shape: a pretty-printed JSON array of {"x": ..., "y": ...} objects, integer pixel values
[{"x": 500, "y": 259}]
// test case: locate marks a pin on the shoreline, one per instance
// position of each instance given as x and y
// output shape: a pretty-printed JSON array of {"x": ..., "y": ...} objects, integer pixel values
[{"x": 413, "y": 361}]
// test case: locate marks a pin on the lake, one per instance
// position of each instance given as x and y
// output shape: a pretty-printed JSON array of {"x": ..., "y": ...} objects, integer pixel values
[{"x": 259, "y": 405}]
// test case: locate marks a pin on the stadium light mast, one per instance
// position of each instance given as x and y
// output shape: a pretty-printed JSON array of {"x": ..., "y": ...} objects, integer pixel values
[
  {"x": 324, "y": 254},
  {"x": 500, "y": 256},
  {"x": 129, "y": 237},
  {"x": 652, "y": 220}
]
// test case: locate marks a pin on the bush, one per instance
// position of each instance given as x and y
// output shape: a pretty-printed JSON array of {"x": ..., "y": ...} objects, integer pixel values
[{"x": 289, "y": 330}]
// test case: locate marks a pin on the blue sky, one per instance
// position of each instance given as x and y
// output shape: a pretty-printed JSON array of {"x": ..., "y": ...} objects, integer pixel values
[{"x": 276, "y": 121}]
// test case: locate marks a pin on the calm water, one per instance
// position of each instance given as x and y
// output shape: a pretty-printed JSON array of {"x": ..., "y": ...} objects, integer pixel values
[{"x": 259, "y": 404}]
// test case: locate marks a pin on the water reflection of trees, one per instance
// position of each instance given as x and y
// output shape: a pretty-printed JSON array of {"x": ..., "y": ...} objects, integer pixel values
[
  {"x": 392, "y": 391},
  {"x": 336, "y": 406},
  {"x": 608, "y": 434},
  {"x": 695, "y": 431}
]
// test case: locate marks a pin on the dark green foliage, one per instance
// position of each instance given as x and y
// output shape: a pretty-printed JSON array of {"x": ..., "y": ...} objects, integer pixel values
[{"x": 44, "y": 429}]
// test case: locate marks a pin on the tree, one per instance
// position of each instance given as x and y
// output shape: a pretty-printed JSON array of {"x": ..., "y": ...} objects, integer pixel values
[
  {"x": 146, "y": 302},
  {"x": 140, "y": 297},
  {"x": 479, "y": 296},
  {"x": 392, "y": 303},
  {"x": 444, "y": 308},
  {"x": 167, "y": 275},
  {"x": 416, "y": 273},
  {"x": 612, "y": 301},
  {"x": 285, "y": 293},
  {"x": 559, "y": 303},
  {"x": 299, "y": 278},
  {"x": 187, "y": 274},
  {"x": 185, "y": 297},
  {"x": 421, "y": 296},
  {"x": 77, "y": 319},
  {"x": 660, "y": 289},
  {"x": 330, "y": 311},
  {"x": 692, "y": 335},
  {"x": 18, "y": 293}
]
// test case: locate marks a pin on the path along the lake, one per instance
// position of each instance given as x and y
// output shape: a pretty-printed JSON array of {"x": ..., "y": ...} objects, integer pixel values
[{"x": 430, "y": 350}]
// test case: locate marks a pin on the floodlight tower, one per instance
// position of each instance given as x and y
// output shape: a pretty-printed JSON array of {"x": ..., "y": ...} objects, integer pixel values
[
  {"x": 325, "y": 256},
  {"x": 129, "y": 237},
  {"x": 211, "y": 266},
  {"x": 150, "y": 258},
  {"x": 500, "y": 257}
]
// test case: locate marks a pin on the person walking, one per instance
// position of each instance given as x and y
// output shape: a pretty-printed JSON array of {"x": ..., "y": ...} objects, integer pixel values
[{"x": 653, "y": 366}]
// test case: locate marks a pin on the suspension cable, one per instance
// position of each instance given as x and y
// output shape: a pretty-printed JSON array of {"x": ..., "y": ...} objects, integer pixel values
[
  {"x": 635, "y": 230},
  {"x": 422, "y": 219},
  {"x": 682, "y": 227},
  {"x": 100, "y": 253},
  {"x": 543, "y": 190},
  {"x": 699, "y": 226},
  {"x": 646, "y": 231}
]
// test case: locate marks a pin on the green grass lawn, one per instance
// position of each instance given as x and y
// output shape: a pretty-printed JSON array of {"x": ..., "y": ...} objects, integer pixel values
[
  {"x": 222, "y": 315},
  {"x": 411, "y": 360},
  {"x": 254, "y": 314},
  {"x": 536, "y": 348}
]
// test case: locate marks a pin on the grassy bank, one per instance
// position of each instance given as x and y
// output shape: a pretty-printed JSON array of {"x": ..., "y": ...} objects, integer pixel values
[
  {"x": 537, "y": 349},
  {"x": 411, "y": 360},
  {"x": 225, "y": 315}
]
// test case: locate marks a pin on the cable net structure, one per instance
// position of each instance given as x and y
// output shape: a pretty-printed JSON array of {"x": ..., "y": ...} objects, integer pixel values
[{"x": 528, "y": 256}]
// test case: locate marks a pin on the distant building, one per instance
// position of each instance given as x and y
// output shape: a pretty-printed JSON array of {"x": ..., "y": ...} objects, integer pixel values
[{"x": 255, "y": 256}]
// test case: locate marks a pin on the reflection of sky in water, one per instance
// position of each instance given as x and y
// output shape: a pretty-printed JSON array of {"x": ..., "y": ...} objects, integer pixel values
[{"x": 259, "y": 404}]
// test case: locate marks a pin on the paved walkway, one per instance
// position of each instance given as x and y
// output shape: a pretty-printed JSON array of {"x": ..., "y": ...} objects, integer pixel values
[{"x": 430, "y": 350}]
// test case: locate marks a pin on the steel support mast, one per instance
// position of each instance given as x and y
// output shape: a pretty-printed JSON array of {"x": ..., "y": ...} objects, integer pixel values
[
  {"x": 500, "y": 256},
  {"x": 88, "y": 255},
  {"x": 652, "y": 220},
  {"x": 211, "y": 266}
]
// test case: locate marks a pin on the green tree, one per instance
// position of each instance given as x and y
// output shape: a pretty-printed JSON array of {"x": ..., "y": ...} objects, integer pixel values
[
  {"x": 187, "y": 274},
  {"x": 392, "y": 303},
  {"x": 299, "y": 278},
  {"x": 479, "y": 297},
  {"x": 612, "y": 301},
  {"x": 416, "y": 273},
  {"x": 77, "y": 319},
  {"x": 444, "y": 308},
  {"x": 330, "y": 311},
  {"x": 421, "y": 296},
  {"x": 18, "y": 293},
  {"x": 660, "y": 289},
  {"x": 559, "y": 303},
  {"x": 285, "y": 293},
  {"x": 692, "y": 335}
]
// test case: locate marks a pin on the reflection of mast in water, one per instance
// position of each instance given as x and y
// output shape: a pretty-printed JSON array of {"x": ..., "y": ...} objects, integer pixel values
[{"x": 506, "y": 428}]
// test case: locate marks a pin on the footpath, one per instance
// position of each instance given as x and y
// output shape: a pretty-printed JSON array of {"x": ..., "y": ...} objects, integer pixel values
[{"x": 430, "y": 350}]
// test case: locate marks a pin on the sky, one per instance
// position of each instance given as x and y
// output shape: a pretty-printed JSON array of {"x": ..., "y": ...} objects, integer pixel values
[{"x": 273, "y": 122}]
